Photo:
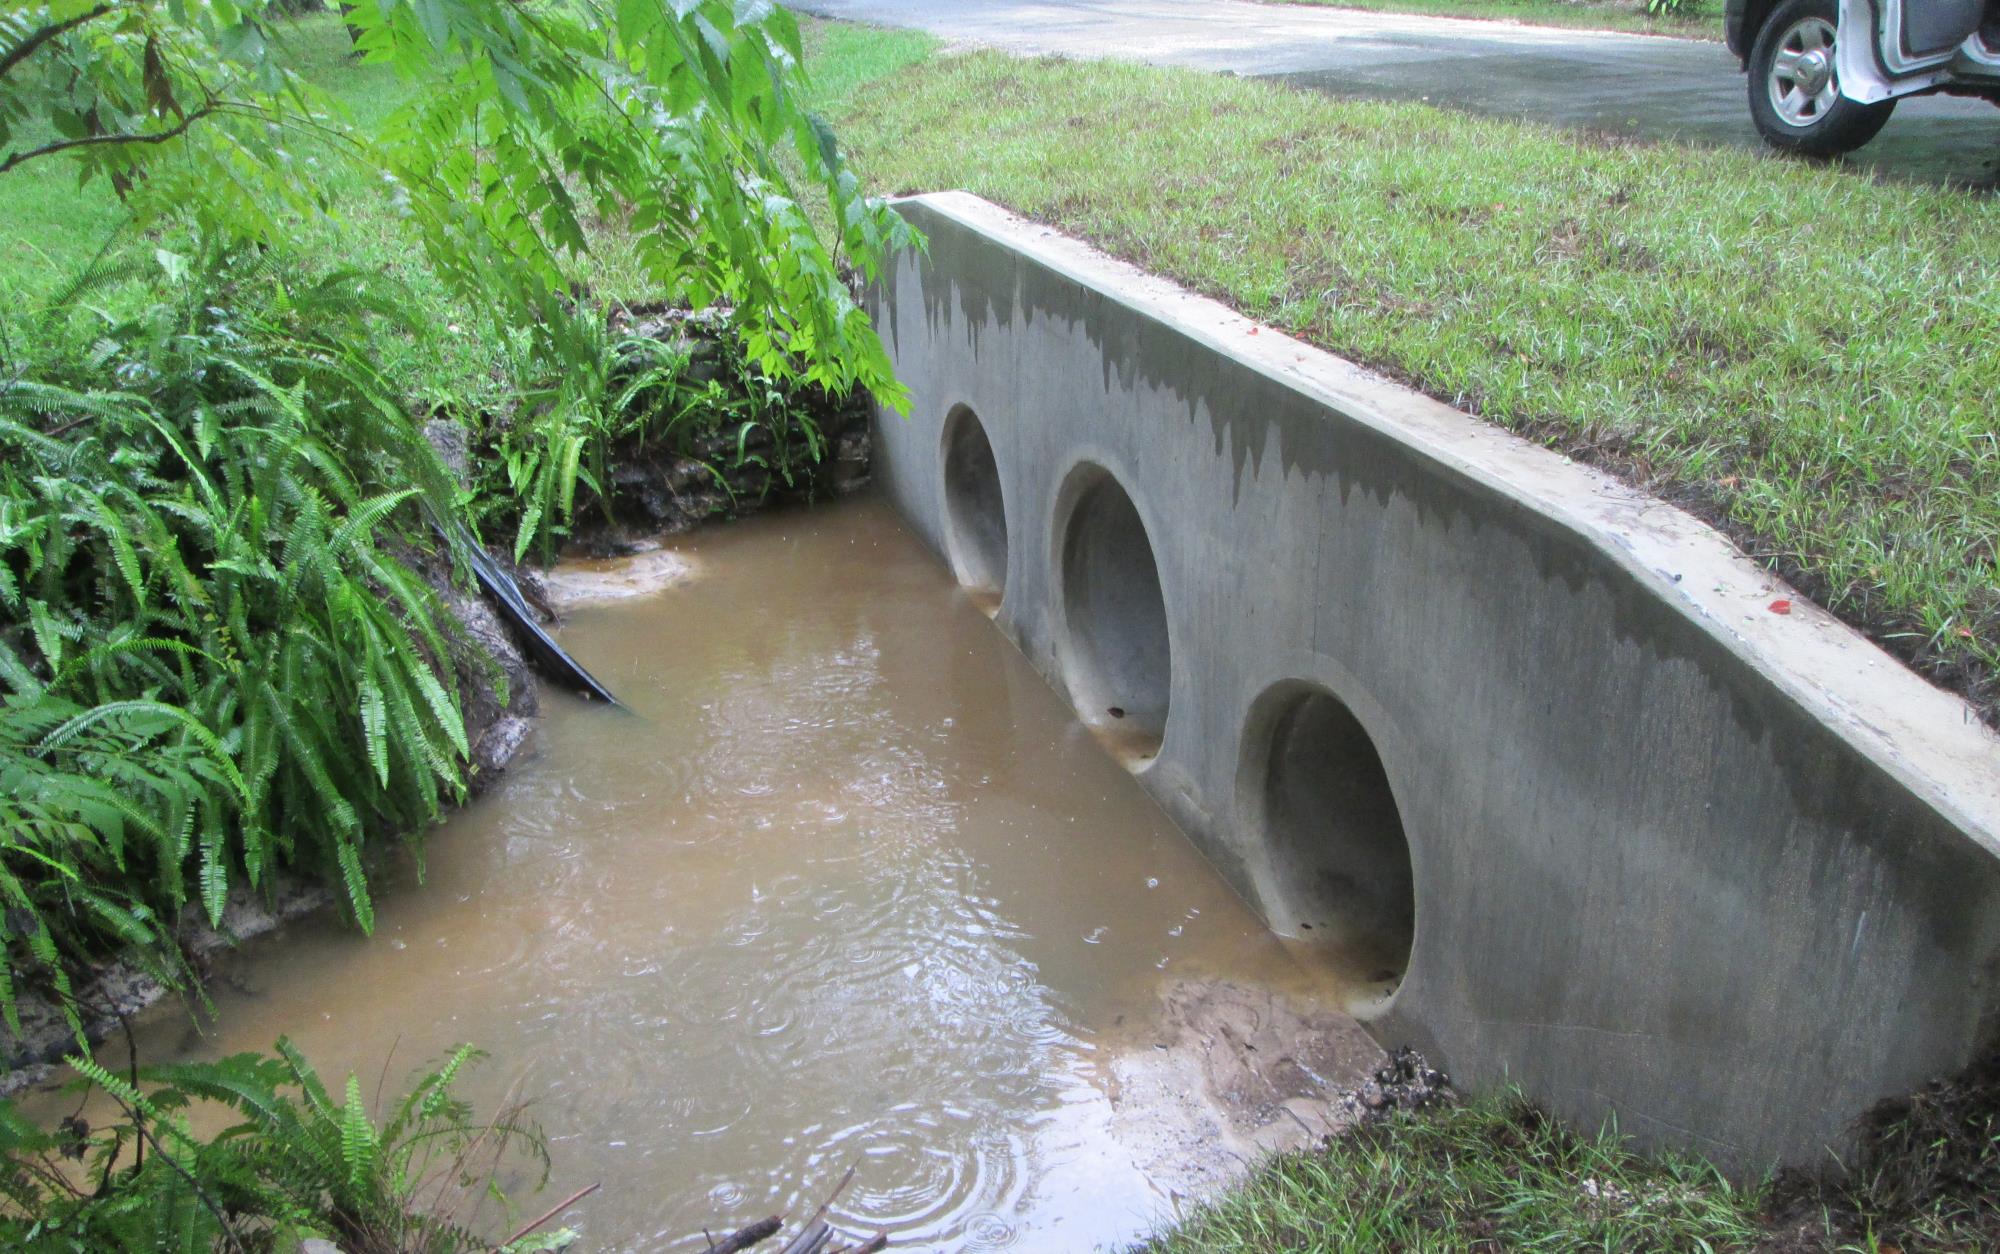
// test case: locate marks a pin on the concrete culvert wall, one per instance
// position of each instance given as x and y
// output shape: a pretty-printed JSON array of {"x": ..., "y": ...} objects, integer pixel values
[
  {"x": 975, "y": 508},
  {"x": 1117, "y": 657},
  {"x": 1339, "y": 861},
  {"x": 1727, "y": 873}
]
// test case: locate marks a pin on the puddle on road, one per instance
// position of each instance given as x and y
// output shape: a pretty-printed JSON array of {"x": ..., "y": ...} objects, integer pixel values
[{"x": 849, "y": 886}]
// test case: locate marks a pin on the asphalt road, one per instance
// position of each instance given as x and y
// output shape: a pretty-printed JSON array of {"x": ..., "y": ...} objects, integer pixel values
[{"x": 1637, "y": 85}]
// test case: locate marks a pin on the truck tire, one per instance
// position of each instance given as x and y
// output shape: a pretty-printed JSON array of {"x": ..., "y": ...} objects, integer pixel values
[{"x": 1795, "y": 97}]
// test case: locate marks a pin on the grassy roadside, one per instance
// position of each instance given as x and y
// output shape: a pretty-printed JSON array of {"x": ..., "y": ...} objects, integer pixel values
[
  {"x": 1487, "y": 1175},
  {"x": 1798, "y": 354},
  {"x": 1494, "y": 1174},
  {"x": 1698, "y": 21}
]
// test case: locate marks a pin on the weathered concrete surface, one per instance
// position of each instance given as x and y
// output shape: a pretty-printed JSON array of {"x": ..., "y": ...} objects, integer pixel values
[
  {"x": 1731, "y": 874},
  {"x": 1643, "y": 86}
]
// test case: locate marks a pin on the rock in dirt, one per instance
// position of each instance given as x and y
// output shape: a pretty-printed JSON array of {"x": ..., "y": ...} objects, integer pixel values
[{"x": 117, "y": 989}]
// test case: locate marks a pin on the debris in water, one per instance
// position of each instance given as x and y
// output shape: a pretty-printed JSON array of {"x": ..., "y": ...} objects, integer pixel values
[
  {"x": 506, "y": 596},
  {"x": 1116, "y": 711},
  {"x": 817, "y": 1237},
  {"x": 1408, "y": 1082}
]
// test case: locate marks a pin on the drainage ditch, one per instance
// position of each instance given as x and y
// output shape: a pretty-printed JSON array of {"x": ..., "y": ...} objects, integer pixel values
[{"x": 848, "y": 887}]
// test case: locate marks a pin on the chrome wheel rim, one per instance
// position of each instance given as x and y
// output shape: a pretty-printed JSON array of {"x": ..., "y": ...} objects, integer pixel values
[{"x": 1802, "y": 82}]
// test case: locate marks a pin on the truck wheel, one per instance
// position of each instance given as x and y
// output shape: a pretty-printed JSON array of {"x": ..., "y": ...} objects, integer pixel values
[{"x": 1795, "y": 99}]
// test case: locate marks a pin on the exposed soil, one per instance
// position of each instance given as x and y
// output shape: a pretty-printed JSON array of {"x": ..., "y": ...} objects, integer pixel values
[
  {"x": 659, "y": 490},
  {"x": 1236, "y": 1072},
  {"x": 1926, "y": 1176}
]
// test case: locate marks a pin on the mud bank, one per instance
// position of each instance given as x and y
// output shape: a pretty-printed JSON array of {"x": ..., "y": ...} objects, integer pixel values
[{"x": 1233, "y": 1072}]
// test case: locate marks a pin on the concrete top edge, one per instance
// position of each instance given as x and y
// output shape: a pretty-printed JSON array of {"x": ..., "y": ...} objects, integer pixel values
[{"x": 1929, "y": 739}]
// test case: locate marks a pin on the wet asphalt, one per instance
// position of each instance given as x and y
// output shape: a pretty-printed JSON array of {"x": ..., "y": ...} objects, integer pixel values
[{"x": 1639, "y": 86}]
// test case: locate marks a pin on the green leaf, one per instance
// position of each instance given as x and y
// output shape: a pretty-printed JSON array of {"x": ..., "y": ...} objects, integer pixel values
[{"x": 172, "y": 264}]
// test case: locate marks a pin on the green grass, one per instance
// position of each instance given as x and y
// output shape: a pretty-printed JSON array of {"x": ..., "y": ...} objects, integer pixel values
[
  {"x": 1698, "y": 21},
  {"x": 1496, "y": 1174},
  {"x": 52, "y": 226},
  {"x": 843, "y": 59},
  {"x": 49, "y": 228},
  {"x": 1800, "y": 354},
  {"x": 1489, "y": 1175}
]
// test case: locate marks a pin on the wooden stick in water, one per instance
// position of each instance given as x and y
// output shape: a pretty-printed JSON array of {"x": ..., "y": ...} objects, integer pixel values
[
  {"x": 744, "y": 1238},
  {"x": 551, "y": 1213}
]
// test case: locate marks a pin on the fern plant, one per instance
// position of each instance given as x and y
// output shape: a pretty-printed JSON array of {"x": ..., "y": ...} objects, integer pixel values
[
  {"x": 591, "y": 399},
  {"x": 82, "y": 790},
  {"x": 418, "y": 1177},
  {"x": 216, "y": 656},
  {"x": 586, "y": 396}
]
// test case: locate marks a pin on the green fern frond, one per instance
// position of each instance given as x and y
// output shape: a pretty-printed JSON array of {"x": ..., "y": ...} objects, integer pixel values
[
  {"x": 357, "y": 885},
  {"x": 359, "y": 1148}
]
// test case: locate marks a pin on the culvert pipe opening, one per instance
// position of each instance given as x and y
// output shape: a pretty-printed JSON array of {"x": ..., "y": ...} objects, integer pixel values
[
  {"x": 1335, "y": 836},
  {"x": 975, "y": 513},
  {"x": 1118, "y": 662}
]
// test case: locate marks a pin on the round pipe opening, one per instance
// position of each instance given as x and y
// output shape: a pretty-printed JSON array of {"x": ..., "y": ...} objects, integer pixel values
[
  {"x": 1338, "y": 853},
  {"x": 975, "y": 515},
  {"x": 1117, "y": 662}
]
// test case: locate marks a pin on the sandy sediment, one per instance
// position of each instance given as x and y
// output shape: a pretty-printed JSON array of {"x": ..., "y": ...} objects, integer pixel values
[{"x": 1233, "y": 1072}]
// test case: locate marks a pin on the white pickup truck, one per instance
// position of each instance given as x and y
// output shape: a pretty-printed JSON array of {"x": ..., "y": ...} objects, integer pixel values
[{"x": 1826, "y": 74}]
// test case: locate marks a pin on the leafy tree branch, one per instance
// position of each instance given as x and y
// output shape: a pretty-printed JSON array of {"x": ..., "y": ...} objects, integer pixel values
[
  {"x": 55, "y": 147},
  {"x": 27, "y": 46},
  {"x": 682, "y": 119}
]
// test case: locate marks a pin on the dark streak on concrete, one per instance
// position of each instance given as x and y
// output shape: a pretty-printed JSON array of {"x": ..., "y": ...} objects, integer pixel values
[{"x": 1651, "y": 878}]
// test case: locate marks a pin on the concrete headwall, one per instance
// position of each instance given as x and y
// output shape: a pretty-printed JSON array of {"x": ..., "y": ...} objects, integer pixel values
[{"x": 1617, "y": 831}]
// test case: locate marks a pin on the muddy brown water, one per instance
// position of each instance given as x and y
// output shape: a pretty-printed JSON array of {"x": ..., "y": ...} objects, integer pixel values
[{"x": 848, "y": 886}]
